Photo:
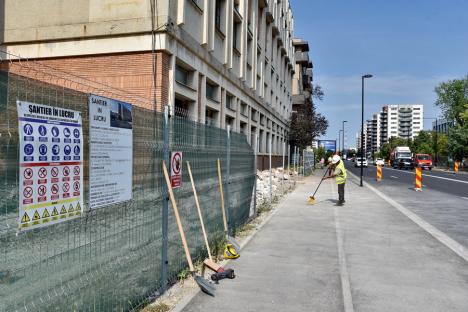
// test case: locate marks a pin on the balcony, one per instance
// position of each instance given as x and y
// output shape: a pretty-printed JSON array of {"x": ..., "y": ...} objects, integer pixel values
[{"x": 302, "y": 58}]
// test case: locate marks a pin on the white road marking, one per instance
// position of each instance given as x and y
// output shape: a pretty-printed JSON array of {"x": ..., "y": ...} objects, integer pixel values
[
  {"x": 428, "y": 175},
  {"x": 344, "y": 275},
  {"x": 465, "y": 198},
  {"x": 436, "y": 233},
  {"x": 394, "y": 177}
]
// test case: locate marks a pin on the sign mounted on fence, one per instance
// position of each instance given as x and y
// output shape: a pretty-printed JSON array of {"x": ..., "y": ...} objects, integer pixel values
[
  {"x": 45, "y": 154},
  {"x": 110, "y": 151},
  {"x": 176, "y": 169}
]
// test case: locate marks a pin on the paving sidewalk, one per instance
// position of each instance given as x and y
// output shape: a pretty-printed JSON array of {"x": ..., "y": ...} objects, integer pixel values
[{"x": 364, "y": 256}]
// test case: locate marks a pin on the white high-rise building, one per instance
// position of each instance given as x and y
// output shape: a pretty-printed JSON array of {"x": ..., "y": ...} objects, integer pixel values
[
  {"x": 404, "y": 121},
  {"x": 373, "y": 133}
]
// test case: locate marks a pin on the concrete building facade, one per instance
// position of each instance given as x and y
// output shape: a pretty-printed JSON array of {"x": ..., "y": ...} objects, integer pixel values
[
  {"x": 222, "y": 62},
  {"x": 303, "y": 76},
  {"x": 403, "y": 121}
]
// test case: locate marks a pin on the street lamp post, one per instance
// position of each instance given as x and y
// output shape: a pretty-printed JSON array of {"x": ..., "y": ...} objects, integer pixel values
[
  {"x": 362, "y": 122},
  {"x": 342, "y": 151},
  {"x": 339, "y": 143}
]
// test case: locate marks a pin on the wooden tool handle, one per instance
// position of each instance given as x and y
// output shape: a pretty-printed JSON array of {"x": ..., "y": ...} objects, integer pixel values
[
  {"x": 222, "y": 196},
  {"x": 200, "y": 216},
  {"x": 176, "y": 212}
]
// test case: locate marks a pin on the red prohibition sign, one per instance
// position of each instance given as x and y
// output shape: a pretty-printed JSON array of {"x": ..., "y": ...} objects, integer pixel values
[
  {"x": 76, "y": 170},
  {"x": 27, "y": 192},
  {"x": 28, "y": 173},
  {"x": 66, "y": 187},
  {"x": 42, "y": 172},
  {"x": 54, "y": 171},
  {"x": 66, "y": 171},
  {"x": 41, "y": 190},
  {"x": 76, "y": 186},
  {"x": 55, "y": 188},
  {"x": 176, "y": 163}
]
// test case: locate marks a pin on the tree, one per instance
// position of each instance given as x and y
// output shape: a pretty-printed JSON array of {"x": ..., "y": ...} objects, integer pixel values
[
  {"x": 452, "y": 98},
  {"x": 306, "y": 124}
]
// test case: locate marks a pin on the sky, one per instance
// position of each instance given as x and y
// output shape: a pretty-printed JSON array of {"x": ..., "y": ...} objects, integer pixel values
[{"x": 409, "y": 46}]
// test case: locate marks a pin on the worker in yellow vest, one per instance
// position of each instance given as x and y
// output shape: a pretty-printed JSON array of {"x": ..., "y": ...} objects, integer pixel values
[{"x": 340, "y": 177}]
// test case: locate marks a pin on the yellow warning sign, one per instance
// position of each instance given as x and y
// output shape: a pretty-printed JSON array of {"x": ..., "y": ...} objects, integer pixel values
[
  {"x": 63, "y": 210},
  {"x": 25, "y": 218},
  {"x": 70, "y": 209},
  {"x": 54, "y": 212},
  {"x": 78, "y": 207},
  {"x": 36, "y": 216},
  {"x": 45, "y": 214}
]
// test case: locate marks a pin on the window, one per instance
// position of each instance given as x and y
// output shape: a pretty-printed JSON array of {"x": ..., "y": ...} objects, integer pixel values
[
  {"x": 212, "y": 91},
  {"x": 182, "y": 75},
  {"x": 236, "y": 36},
  {"x": 230, "y": 102},
  {"x": 219, "y": 16}
]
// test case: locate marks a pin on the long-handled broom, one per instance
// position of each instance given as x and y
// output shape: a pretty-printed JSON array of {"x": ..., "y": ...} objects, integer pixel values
[
  {"x": 208, "y": 262},
  {"x": 311, "y": 199},
  {"x": 204, "y": 285}
]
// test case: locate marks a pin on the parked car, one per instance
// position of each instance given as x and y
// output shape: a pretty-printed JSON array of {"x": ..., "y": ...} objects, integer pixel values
[
  {"x": 423, "y": 161},
  {"x": 405, "y": 163},
  {"x": 379, "y": 162},
  {"x": 360, "y": 161}
]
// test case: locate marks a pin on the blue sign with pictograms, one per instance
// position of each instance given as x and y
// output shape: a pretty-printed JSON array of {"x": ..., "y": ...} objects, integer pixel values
[
  {"x": 43, "y": 149},
  {"x": 67, "y": 149},
  {"x": 42, "y": 130},
  {"x": 28, "y": 149},
  {"x": 55, "y": 131},
  {"x": 76, "y": 133},
  {"x": 55, "y": 149},
  {"x": 28, "y": 129},
  {"x": 66, "y": 132},
  {"x": 76, "y": 150}
]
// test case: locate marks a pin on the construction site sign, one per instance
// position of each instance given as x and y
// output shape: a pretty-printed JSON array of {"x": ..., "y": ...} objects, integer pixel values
[
  {"x": 51, "y": 161},
  {"x": 110, "y": 151},
  {"x": 176, "y": 169}
]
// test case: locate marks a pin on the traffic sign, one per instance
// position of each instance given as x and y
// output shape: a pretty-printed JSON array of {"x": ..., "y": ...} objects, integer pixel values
[
  {"x": 27, "y": 192},
  {"x": 42, "y": 172},
  {"x": 66, "y": 187},
  {"x": 28, "y": 149},
  {"x": 56, "y": 149},
  {"x": 55, "y": 131},
  {"x": 28, "y": 173},
  {"x": 43, "y": 149},
  {"x": 41, "y": 190},
  {"x": 28, "y": 129},
  {"x": 67, "y": 149},
  {"x": 76, "y": 170},
  {"x": 76, "y": 133},
  {"x": 55, "y": 188},
  {"x": 66, "y": 171},
  {"x": 54, "y": 171},
  {"x": 42, "y": 130}
]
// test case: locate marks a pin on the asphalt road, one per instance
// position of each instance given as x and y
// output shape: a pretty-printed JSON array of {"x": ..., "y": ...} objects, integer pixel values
[{"x": 446, "y": 182}]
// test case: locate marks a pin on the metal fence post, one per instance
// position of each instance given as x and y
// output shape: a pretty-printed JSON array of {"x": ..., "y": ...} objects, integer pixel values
[
  {"x": 269, "y": 159},
  {"x": 282, "y": 178},
  {"x": 165, "y": 205},
  {"x": 303, "y": 162},
  {"x": 255, "y": 173},
  {"x": 228, "y": 176},
  {"x": 294, "y": 159}
]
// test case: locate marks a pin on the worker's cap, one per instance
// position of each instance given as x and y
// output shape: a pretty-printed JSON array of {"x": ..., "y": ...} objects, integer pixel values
[{"x": 335, "y": 159}]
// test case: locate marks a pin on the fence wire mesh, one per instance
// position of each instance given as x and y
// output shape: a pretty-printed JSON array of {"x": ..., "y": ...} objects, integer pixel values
[
  {"x": 110, "y": 258},
  {"x": 309, "y": 161}
]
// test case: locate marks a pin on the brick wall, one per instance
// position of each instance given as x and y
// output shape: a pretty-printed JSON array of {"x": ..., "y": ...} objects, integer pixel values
[{"x": 130, "y": 73}]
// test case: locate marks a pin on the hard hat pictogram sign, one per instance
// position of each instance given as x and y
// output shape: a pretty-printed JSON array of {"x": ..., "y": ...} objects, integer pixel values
[{"x": 176, "y": 169}]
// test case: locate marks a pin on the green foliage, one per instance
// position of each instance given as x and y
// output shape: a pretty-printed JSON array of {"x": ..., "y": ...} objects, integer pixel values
[
  {"x": 452, "y": 98},
  {"x": 320, "y": 152}
]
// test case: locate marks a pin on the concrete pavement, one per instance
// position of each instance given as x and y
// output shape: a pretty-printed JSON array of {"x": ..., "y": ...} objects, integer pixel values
[{"x": 364, "y": 256}]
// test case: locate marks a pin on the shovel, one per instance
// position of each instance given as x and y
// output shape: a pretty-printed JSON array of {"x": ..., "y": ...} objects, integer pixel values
[
  {"x": 230, "y": 239},
  {"x": 204, "y": 285},
  {"x": 208, "y": 262},
  {"x": 311, "y": 199}
]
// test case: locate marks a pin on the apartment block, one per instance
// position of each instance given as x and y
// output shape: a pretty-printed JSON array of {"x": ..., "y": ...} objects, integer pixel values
[
  {"x": 222, "y": 62},
  {"x": 303, "y": 76},
  {"x": 403, "y": 121},
  {"x": 373, "y": 134}
]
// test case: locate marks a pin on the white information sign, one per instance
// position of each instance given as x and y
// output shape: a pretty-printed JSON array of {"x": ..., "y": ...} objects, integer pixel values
[
  {"x": 51, "y": 165},
  {"x": 110, "y": 151}
]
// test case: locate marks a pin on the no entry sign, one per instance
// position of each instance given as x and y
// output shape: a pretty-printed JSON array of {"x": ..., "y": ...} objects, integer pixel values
[{"x": 176, "y": 169}]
